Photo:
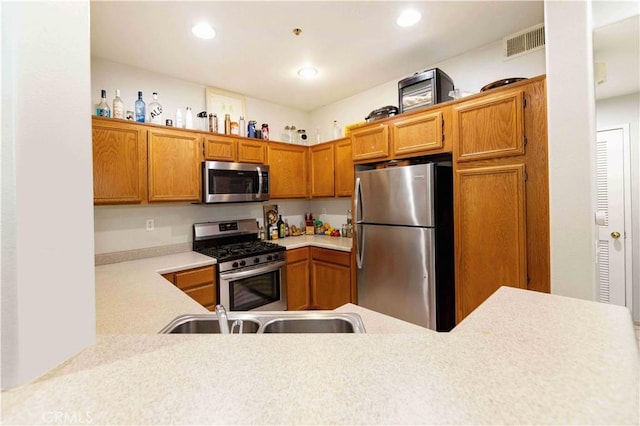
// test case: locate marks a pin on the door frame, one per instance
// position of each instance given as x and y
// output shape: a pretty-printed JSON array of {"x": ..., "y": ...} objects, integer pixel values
[{"x": 628, "y": 228}]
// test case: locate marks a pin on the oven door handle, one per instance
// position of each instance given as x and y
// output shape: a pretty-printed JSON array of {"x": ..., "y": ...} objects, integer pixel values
[
  {"x": 259, "y": 194},
  {"x": 257, "y": 271}
]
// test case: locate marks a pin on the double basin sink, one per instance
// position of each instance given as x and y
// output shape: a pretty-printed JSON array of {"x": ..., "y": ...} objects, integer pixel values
[{"x": 268, "y": 322}]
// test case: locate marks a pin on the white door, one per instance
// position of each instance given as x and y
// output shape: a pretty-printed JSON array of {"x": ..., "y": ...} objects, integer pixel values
[{"x": 613, "y": 267}]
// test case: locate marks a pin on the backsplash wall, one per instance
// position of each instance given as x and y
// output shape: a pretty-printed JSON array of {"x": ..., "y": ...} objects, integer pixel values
[{"x": 120, "y": 228}]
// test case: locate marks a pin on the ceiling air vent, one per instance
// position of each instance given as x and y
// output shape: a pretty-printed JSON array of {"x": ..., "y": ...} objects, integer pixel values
[{"x": 523, "y": 42}]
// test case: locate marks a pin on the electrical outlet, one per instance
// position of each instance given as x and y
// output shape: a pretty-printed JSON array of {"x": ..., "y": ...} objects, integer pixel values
[
  {"x": 324, "y": 211},
  {"x": 150, "y": 225}
]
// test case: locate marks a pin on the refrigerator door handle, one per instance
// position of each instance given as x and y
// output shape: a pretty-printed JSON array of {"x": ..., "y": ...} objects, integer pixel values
[{"x": 357, "y": 207}]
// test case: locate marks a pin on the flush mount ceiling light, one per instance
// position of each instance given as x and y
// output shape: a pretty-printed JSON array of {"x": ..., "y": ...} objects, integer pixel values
[
  {"x": 408, "y": 18},
  {"x": 307, "y": 72},
  {"x": 203, "y": 30}
]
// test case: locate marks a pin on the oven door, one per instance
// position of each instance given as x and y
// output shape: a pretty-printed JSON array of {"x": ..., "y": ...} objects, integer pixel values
[
  {"x": 260, "y": 288},
  {"x": 224, "y": 182}
]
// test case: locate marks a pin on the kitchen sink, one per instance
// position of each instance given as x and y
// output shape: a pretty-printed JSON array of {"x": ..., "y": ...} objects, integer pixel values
[
  {"x": 309, "y": 325},
  {"x": 268, "y": 322},
  {"x": 196, "y": 324}
]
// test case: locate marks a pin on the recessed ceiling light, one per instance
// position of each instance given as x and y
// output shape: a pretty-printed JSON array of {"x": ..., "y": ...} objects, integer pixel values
[
  {"x": 203, "y": 30},
  {"x": 408, "y": 18},
  {"x": 307, "y": 72}
]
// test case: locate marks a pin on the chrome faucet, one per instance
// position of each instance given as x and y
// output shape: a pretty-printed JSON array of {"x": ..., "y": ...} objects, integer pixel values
[{"x": 222, "y": 319}]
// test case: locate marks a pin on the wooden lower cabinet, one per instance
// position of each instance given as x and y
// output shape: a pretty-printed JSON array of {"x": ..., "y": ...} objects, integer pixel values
[
  {"x": 298, "y": 290},
  {"x": 318, "y": 278},
  {"x": 198, "y": 283},
  {"x": 490, "y": 233},
  {"x": 330, "y": 278}
]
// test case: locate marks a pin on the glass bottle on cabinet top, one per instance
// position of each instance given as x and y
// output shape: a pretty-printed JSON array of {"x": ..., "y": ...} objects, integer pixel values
[
  {"x": 140, "y": 109},
  {"x": 118, "y": 106},
  {"x": 102, "y": 109},
  {"x": 155, "y": 110}
]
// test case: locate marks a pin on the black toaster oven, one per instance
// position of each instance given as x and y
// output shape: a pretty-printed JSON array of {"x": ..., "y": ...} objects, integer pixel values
[{"x": 423, "y": 89}]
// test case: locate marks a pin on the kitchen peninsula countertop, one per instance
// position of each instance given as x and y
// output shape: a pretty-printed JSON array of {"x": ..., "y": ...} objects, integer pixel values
[
  {"x": 521, "y": 357},
  {"x": 323, "y": 241}
]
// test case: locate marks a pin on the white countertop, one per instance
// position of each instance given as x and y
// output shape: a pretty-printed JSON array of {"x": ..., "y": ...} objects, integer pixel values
[
  {"x": 521, "y": 357},
  {"x": 324, "y": 241}
]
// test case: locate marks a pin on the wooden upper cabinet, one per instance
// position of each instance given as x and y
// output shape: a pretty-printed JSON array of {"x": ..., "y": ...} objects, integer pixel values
[
  {"x": 288, "y": 170},
  {"x": 251, "y": 151},
  {"x": 490, "y": 237},
  {"x": 418, "y": 133},
  {"x": 489, "y": 127},
  {"x": 344, "y": 173},
  {"x": 174, "y": 165},
  {"x": 322, "y": 170},
  {"x": 370, "y": 142},
  {"x": 220, "y": 148},
  {"x": 119, "y": 162}
]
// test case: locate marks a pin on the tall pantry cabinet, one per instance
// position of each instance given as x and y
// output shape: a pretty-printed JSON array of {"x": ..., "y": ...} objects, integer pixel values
[
  {"x": 498, "y": 143},
  {"x": 501, "y": 194}
]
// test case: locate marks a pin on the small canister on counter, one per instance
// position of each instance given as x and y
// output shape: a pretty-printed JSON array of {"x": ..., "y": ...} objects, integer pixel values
[
  {"x": 265, "y": 131},
  {"x": 251, "y": 129},
  {"x": 213, "y": 123},
  {"x": 235, "y": 128},
  {"x": 168, "y": 122}
]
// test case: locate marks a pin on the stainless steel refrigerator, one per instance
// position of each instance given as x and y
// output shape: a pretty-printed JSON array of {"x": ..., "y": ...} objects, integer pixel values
[{"x": 404, "y": 242}]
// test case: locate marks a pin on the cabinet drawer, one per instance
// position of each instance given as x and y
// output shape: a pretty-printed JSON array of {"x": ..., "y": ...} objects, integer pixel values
[
  {"x": 297, "y": 255},
  {"x": 204, "y": 295},
  {"x": 418, "y": 133},
  {"x": 251, "y": 151},
  {"x": 194, "y": 277},
  {"x": 331, "y": 256}
]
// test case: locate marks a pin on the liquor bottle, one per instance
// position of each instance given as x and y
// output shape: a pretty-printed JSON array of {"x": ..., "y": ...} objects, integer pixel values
[
  {"x": 155, "y": 110},
  {"x": 102, "y": 109},
  {"x": 280, "y": 225},
  {"x": 287, "y": 231},
  {"x": 118, "y": 106},
  {"x": 188, "y": 119},
  {"x": 140, "y": 108}
]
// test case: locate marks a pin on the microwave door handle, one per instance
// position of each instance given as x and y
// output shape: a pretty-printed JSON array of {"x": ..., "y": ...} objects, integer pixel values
[{"x": 259, "y": 182}]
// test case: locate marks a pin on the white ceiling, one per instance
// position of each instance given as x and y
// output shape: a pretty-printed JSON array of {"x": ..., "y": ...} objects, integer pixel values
[{"x": 354, "y": 45}]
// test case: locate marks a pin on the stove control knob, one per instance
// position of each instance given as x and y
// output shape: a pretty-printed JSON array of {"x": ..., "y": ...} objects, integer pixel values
[
  {"x": 269, "y": 257},
  {"x": 243, "y": 263},
  {"x": 234, "y": 264},
  {"x": 256, "y": 260}
]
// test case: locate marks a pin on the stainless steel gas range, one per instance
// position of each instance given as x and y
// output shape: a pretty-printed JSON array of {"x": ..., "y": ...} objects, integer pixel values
[{"x": 250, "y": 272}]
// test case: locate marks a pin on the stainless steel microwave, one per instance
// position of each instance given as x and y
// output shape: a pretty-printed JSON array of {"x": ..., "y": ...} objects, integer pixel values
[{"x": 224, "y": 182}]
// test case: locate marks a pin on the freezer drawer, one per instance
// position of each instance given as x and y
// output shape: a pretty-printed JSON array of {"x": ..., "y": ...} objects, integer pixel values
[
  {"x": 396, "y": 195},
  {"x": 396, "y": 272}
]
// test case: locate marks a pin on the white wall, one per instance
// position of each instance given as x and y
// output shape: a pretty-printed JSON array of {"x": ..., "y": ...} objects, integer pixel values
[
  {"x": 48, "y": 301},
  {"x": 469, "y": 72},
  {"x": 175, "y": 93},
  {"x": 120, "y": 228},
  {"x": 571, "y": 133},
  {"x": 626, "y": 110}
]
